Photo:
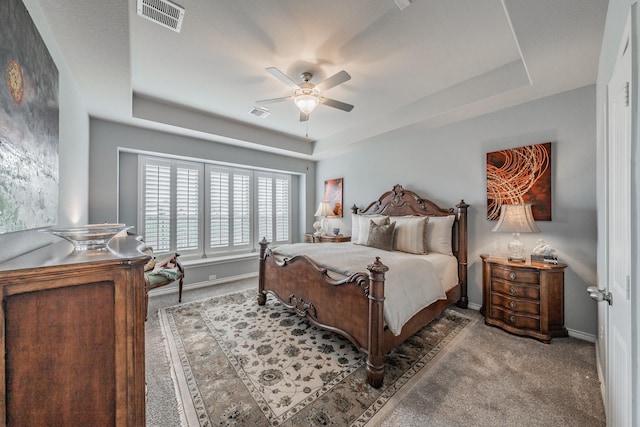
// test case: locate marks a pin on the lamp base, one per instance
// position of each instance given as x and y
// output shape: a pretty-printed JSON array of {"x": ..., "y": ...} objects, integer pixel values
[{"x": 516, "y": 249}]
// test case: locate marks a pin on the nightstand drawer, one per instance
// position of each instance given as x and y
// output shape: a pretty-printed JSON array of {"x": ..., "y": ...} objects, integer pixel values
[
  {"x": 516, "y": 290},
  {"x": 516, "y": 320},
  {"x": 514, "y": 304},
  {"x": 520, "y": 275}
]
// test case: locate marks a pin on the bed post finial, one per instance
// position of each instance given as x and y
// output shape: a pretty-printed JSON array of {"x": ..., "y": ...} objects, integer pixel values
[
  {"x": 463, "y": 302},
  {"x": 262, "y": 297},
  {"x": 375, "y": 355}
]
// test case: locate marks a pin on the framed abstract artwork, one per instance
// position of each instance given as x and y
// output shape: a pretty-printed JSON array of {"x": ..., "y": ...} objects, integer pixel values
[
  {"x": 518, "y": 176},
  {"x": 29, "y": 116},
  {"x": 333, "y": 194}
]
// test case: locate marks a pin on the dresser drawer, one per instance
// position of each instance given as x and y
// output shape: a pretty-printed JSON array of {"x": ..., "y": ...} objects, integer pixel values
[
  {"x": 515, "y": 320},
  {"x": 514, "y": 304},
  {"x": 520, "y": 275},
  {"x": 514, "y": 289}
]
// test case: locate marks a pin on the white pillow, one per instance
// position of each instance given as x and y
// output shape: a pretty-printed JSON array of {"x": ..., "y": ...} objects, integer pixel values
[
  {"x": 355, "y": 227},
  {"x": 361, "y": 224},
  {"x": 410, "y": 234},
  {"x": 439, "y": 234}
]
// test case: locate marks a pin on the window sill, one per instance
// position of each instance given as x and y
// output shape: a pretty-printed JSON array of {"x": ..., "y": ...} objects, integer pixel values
[{"x": 212, "y": 260}]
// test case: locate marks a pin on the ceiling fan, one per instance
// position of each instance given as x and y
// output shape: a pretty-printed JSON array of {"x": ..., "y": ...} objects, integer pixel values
[{"x": 307, "y": 95}]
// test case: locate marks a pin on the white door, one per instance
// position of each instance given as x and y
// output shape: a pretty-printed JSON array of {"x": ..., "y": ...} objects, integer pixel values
[{"x": 619, "y": 377}]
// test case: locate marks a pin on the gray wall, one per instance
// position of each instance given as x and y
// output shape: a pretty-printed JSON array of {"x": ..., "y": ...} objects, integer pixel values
[
  {"x": 113, "y": 180},
  {"x": 73, "y": 152},
  {"x": 447, "y": 164}
]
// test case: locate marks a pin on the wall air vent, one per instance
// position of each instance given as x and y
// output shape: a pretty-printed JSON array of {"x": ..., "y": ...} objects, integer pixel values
[
  {"x": 162, "y": 12},
  {"x": 261, "y": 112}
]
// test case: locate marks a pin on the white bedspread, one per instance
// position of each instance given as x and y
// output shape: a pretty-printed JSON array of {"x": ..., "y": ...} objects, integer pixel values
[{"x": 411, "y": 283}]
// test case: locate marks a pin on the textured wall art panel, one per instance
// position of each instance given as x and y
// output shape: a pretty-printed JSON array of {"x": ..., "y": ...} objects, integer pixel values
[
  {"x": 29, "y": 126},
  {"x": 520, "y": 175}
]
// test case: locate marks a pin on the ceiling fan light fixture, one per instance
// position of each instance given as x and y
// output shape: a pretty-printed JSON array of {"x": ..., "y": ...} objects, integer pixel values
[{"x": 306, "y": 103}]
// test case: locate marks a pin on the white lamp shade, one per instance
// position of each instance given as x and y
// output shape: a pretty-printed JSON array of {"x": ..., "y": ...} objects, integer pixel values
[
  {"x": 516, "y": 219},
  {"x": 306, "y": 103},
  {"x": 324, "y": 209}
]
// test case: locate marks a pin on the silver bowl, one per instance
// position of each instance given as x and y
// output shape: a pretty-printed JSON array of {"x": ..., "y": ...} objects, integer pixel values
[{"x": 88, "y": 237}]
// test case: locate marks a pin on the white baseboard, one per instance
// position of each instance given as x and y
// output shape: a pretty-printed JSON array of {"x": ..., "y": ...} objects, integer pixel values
[
  {"x": 474, "y": 306},
  {"x": 581, "y": 335},
  {"x": 173, "y": 289}
]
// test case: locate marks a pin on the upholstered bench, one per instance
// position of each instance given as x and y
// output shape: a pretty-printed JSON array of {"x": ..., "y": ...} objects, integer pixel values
[{"x": 161, "y": 271}]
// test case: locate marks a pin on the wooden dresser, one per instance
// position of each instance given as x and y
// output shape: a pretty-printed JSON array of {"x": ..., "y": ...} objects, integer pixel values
[
  {"x": 524, "y": 298},
  {"x": 73, "y": 337}
]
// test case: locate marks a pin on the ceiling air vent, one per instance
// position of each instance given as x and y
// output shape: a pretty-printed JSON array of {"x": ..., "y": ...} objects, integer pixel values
[
  {"x": 260, "y": 112},
  {"x": 162, "y": 12}
]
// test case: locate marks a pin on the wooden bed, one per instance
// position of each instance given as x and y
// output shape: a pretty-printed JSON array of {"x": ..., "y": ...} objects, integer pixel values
[{"x": 308, "y": 289}]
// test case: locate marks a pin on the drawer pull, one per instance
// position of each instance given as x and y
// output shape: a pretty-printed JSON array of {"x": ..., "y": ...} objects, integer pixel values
[
  {"x": 512, "y": 319},
  {"x": 512, "y": 290},
  {"x": 512, "y": 304},
  {"x": 512, "y": 276}
]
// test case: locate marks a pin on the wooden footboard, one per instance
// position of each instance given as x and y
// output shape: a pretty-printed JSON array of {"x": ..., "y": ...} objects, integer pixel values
[{"x": 352, "y": 307}]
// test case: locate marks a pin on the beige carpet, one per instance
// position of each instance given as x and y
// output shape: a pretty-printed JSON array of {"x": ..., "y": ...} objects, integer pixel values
[
  {"x": 237, "y": 363},
  {"x": 492, "y": 378}
]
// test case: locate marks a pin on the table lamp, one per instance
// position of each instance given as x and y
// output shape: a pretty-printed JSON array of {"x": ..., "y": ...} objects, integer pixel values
[
  {"x": 516, "y": 219},
  {"x": 324, "y": 210}
]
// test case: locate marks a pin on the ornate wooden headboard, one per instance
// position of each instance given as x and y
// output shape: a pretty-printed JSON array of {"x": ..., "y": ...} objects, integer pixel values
[{"x": 399, "y": 202}]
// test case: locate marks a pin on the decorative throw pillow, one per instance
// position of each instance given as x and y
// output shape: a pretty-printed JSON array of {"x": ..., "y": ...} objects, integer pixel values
[
  {"x": 439, "y": 234},
  {"x": 381, "y": 236},
  {"x": 360, "y": 227},
  {"x": 410, "y": 234}
]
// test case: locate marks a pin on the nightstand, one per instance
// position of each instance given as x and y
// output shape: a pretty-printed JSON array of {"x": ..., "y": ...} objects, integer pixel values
[
  {"x": 524, "y": 298},
  {"x": 312, "y": 238}
]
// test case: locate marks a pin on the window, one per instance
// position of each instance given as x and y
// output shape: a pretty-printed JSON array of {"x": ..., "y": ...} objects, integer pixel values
[
  {"x": 206, "y": 209},
  {"x": 274, "y": 207}
]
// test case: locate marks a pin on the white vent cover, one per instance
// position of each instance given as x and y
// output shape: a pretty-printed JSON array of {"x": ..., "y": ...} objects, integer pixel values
[
  {"x": 261, "y": 112},
  {"x": 162, "y": 12}
]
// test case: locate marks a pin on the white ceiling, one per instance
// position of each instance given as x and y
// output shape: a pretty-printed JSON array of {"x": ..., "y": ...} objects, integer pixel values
[{"x": 437, "y": 61}]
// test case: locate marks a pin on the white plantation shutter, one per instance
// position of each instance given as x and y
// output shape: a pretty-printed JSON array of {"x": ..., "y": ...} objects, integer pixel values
[
  {"x": 241, "y": 208},
  {"x": 282, "y": 208},
  {"x": 170, "y": 205},
  {"x": 219, "y": 208},
  {"x": 265, "y": 208},
  {"x": 187, "y": 208},
  {"x": 201, "y": 209},
  {"x": 157, "y": 205},
  {"x": 274, "y": 210}
]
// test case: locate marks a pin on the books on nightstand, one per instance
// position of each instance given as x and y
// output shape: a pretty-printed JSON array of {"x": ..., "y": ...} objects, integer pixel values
[{"x": 545, "y": 259}]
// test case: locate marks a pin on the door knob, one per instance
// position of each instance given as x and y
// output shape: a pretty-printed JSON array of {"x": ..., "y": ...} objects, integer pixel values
[{"x": 599, "y": 295}]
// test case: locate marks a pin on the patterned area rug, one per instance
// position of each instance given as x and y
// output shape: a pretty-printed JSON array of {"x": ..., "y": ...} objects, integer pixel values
[{"x": 236, "y": 363}]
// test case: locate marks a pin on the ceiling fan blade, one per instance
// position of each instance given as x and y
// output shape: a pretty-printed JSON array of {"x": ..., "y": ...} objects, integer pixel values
[
  {"x": 282, "y": 77},
  {"x": 303, "y": 117},
  {"x": 336, "y": 104},
  {"x": 334, "y": 80},
  {"x": 272, "y": 100}
]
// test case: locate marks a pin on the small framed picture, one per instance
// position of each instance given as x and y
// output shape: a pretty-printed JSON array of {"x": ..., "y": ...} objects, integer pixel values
[{"x": 333, "y": 194}]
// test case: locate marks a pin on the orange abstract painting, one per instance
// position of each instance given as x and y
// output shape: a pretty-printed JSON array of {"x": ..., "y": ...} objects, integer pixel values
[{"x": 517, "y": 176}]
